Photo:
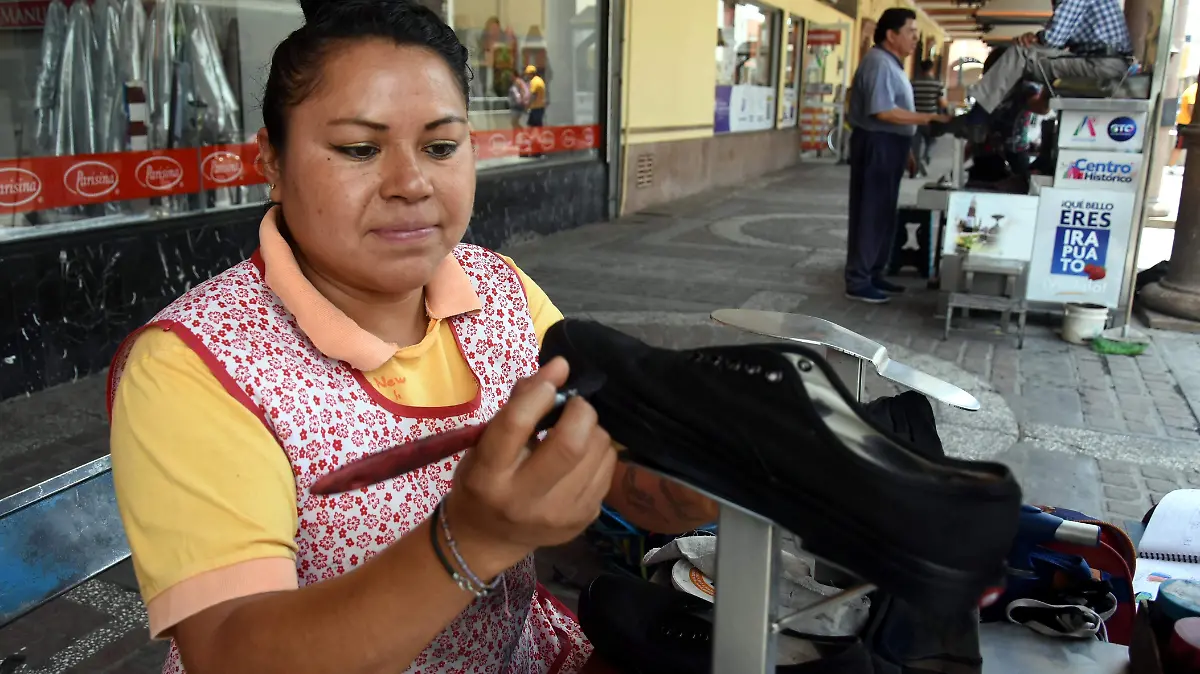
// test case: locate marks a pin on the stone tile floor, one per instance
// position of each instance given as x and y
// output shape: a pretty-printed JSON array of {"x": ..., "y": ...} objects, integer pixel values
[{"x": 1106, "y": 435}]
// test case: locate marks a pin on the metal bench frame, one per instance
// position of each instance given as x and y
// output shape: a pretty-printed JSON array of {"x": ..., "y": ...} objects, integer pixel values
[{"x": 57, "y": 535}]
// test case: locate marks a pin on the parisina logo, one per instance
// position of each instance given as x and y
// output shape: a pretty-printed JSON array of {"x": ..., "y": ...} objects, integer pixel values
[{"x": 1100, "y": 171}]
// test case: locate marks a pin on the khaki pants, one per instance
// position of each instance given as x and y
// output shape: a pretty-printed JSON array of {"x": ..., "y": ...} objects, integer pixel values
[{"x": 1042, "y": 64}]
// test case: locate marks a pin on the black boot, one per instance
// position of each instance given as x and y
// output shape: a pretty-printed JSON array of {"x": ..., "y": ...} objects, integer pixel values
[{"x": 772, "y": 429}]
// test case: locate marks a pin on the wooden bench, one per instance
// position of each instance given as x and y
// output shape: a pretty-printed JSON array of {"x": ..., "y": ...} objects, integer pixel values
[
  {"x": 1015, "y": 273},
  {"x": 55, "y": 536}
]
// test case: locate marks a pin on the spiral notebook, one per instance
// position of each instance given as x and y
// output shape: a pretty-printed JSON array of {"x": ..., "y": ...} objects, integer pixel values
[{"x": 1170, "y": 548}]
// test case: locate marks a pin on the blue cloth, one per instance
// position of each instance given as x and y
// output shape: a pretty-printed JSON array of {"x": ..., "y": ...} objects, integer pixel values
[
  {"x": 880, "y": 84},
  {"x": 1083, "y": 24}
]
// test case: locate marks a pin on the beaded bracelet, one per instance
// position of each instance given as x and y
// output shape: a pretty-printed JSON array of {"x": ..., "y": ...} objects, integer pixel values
[
  {"x": 462, "y": 563},
  {"x": 464, "y": 582}
]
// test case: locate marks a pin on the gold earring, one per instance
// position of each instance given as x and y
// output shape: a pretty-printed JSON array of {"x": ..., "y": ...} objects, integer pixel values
[{"x": 270, "y": 186}]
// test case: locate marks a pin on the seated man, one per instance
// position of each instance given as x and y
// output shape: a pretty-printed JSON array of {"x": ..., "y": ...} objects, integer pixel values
[{"x": 1084, "y": 38}]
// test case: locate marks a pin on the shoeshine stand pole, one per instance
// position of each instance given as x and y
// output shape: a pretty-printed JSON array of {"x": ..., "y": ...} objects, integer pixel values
[{"x": 747, "y": 623}]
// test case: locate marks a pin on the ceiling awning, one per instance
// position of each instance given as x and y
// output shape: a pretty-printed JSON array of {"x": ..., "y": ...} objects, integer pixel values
[{"x": 988, "y": 20}]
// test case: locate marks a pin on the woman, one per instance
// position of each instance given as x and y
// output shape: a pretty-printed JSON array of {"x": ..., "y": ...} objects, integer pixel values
[{"x": 360, "y": 323}]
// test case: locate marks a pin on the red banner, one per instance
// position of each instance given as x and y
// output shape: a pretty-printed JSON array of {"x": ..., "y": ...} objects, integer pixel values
[
  {"x": 823, "y": 36},
  {"x": 37, "y": 183},
  {"x": 532, "y": 141}
]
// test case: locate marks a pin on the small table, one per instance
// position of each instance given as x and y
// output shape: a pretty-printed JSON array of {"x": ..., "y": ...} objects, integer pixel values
[{"x": 1015, "y": 273}]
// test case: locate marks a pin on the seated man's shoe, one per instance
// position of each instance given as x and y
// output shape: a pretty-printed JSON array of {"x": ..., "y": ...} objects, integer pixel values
[
  {"x": 888, "y": 287},
  {"x": 972, "y": 126},
  {"x": 870, "y": 295},
  {"x": 772, "y": 429}
]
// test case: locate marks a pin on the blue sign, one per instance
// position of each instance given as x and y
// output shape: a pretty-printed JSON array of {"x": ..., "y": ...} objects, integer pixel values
[
  {"x": 1122, "y": 129},
  {"x": 721, "y": 114},
  {"x": 1080, "y": 252}
]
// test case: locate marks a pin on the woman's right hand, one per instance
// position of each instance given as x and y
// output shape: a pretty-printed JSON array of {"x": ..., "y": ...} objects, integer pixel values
[{"x": 508, "y": 498}]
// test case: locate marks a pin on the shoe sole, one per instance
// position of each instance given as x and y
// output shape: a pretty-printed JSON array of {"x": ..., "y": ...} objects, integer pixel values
[{"x": 868, "y": 300}]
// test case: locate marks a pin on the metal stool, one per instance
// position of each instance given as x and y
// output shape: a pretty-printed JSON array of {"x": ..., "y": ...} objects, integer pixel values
[{"x": 1015, "y": 273}]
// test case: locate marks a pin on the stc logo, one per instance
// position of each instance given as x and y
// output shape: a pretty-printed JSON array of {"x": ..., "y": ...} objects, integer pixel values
[{"x": 1122, "y": 129}]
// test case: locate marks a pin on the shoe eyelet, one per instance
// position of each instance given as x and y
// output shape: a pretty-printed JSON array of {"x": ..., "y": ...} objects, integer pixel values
[
  {"x": 734, "y": 366},
  {"x": 774, "y": 377},
  {"x": 754, "y": 370},
  {"x": 806, "y": 366},
  {"x": 717, "y": 361}
]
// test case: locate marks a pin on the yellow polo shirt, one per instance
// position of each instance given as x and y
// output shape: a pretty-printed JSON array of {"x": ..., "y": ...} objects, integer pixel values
[{"x": 207, "y": 496}]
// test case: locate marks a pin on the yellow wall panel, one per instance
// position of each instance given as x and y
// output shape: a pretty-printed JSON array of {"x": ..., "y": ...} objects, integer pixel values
[
  {"x": 670, "y": 67},
  {"x": 670, "y": 64}
]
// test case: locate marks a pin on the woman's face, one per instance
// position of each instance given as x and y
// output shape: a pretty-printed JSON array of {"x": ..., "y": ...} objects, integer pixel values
[{"x": 377, "y": 178}]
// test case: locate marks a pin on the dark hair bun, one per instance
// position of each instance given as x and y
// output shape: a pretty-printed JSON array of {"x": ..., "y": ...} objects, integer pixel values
[{"x": 313, "y": 8}]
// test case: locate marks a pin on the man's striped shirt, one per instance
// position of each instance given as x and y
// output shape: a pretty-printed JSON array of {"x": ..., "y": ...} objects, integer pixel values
[{"x": 926, "y": 93}]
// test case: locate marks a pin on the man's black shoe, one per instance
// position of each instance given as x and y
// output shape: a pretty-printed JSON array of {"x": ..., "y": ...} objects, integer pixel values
[
  {"x": 962, "y": 127},
  {"x": 772, "y": 429},
  {"x": 888, "y": 287}
]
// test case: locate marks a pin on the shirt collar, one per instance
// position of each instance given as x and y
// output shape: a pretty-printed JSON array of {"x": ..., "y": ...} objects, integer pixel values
[
  {"x": 448, "y": 293},
  {"x": 893, "y": 56}
]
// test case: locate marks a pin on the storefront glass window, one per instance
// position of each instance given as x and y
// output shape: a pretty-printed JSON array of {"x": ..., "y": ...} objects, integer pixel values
[
  {"x": 793, "y": 32},
  {"x": 746, "y": 72},
  {"x": 114, "y": 111},
  {"x": 824, "y": 84}
]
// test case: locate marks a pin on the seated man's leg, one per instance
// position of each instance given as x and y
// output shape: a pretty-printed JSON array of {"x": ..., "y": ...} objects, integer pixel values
[
  {"x": 1015, "y": 64},
  {"x": 1047, "y": 68}
]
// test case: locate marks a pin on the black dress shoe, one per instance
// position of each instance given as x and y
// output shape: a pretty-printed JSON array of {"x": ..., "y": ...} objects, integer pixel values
[
  {"x": 638, "y": 627},
  {"x": 772, "y": 429}
]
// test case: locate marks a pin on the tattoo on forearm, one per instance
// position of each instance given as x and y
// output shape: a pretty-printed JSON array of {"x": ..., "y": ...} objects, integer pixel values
[
  {"x": 677, "y": 503},
  {"x": 683, "y": 504},
  {"x": 638, "y": 498}
]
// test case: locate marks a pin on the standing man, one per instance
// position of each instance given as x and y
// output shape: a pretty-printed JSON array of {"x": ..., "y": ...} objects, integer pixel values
[
  {"x": 929, "y": 96},
  {"x": 537, "y": 96},
  {"x": 884, "y": 121}
]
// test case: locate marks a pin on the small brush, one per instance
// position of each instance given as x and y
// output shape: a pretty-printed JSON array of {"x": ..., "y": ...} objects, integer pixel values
[{"x": 410, "y": 456}]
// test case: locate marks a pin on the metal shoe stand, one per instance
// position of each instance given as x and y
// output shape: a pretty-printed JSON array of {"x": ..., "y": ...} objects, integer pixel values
[{"x": 747, "y": 620}]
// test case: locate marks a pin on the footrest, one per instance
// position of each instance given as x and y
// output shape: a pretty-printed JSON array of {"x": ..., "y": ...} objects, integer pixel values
[
  {"x": 1005, "y": 305},
  {"x": 988, "y": 302}
]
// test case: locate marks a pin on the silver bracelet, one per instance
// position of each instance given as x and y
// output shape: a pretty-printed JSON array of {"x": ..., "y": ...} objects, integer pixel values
[{"x": 480, "y": 588}]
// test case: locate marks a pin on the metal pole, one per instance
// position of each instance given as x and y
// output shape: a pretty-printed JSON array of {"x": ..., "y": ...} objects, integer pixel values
[
  {"x": 743, "y": 638},
  {"x": 744, "y": 630},
  {"x": 1141, "y": 205}
]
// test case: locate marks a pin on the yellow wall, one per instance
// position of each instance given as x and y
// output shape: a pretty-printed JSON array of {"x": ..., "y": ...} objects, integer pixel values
[
  {"x": 670, "y": 73},
  {"x": 670, "y": 70}
]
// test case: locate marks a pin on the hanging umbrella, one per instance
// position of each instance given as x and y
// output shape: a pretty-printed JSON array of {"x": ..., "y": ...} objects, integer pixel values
[
  {"x": 158, "y": 68},
  {"x": 109, "y": 101},
  {"x": 217, "y": 110},
  {"x": 132, "y": 27},
  {"x": 76, "y": 123},
  {"x": 45, "y": 97}
]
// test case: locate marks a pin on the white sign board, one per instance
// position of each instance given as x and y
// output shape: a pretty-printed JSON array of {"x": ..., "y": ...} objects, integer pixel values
[
  {"x": 789, "y": 116},
  {"x": 1120, "y": 131},
  {"x": 744, "y": 107},
  {"x": 988, "y": 224},
  {"x": 1079, "y": 250},
  {"x": 1089, "y": 170}
]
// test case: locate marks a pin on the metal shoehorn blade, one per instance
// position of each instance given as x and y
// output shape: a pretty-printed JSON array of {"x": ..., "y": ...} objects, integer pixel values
[{"x": 820, "y": 332}]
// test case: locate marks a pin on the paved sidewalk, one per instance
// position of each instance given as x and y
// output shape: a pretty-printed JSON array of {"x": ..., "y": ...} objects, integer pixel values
[{"x": 1107, "y": 435}]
